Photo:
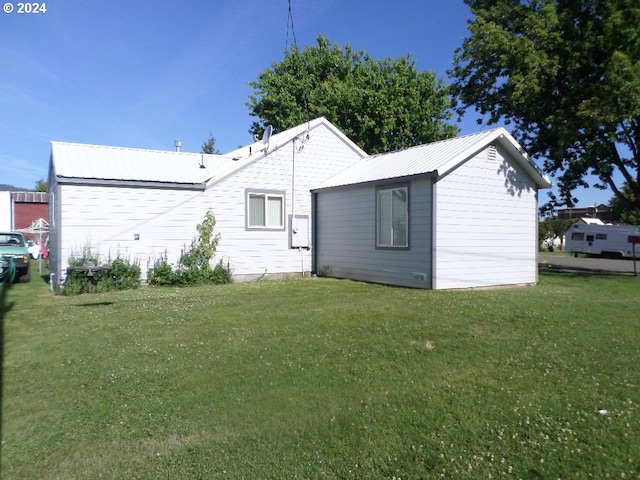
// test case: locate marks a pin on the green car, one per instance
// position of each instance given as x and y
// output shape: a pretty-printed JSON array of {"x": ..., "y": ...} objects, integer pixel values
[{"x": 13, "y": 246}]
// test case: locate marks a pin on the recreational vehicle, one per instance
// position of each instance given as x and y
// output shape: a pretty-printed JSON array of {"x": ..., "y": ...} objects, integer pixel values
[{"x": 606, "y": 240}]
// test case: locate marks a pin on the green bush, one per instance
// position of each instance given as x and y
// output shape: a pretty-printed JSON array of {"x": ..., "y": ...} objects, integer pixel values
[
  {"x": 123, "y": 275},
  {"x": 119, "y": 274},
  {"x": 162, "y": 273},
  {"x": 194, "y": 265},
  {"x": 221, "y": 274}
]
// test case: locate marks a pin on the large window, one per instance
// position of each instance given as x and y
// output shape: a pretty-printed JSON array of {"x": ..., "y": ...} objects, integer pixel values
[
  {"x": 392, "y": 206},
  {"x": 265, "y": 210}
]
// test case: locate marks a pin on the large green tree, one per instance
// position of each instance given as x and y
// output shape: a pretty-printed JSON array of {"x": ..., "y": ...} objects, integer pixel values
[
  {"x": 566, "y": 75},
  {"x": 382, "y": 105},
  {"x": 621, "y": 212}
]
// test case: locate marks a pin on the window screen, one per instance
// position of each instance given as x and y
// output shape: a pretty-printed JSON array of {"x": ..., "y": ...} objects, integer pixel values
[
  {"x": 265, "y": 210},
  {"x": 393, "y": 217}
]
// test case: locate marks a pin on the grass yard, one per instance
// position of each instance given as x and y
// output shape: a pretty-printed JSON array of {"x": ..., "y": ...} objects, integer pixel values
[{"x": 322, "y": 378}]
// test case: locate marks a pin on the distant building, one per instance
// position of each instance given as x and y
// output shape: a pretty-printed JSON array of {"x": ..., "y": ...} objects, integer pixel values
[
  {"x": 601, "y": 211},
  {"x": 29, "y": 206},
  {"x": 18, "y": 210}
]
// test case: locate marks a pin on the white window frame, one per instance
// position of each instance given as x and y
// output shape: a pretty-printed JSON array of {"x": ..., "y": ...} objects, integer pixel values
[
  {"x": 267, "y": 195},
  {"x": 385, "y": 226}
]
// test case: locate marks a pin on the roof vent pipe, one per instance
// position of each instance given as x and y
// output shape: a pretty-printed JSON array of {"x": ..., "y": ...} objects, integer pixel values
[{"x": 178, "y": 145}]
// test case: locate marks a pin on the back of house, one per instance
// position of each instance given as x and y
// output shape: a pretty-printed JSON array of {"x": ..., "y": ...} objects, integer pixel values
[
  {"x": 145, "y": 205},
  {"x": 601, "y": 239}
]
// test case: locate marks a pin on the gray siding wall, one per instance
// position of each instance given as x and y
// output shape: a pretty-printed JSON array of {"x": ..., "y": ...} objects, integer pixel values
[{"x": 346, "y": 237}]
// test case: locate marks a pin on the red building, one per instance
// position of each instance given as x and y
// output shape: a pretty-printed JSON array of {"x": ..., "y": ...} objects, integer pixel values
[{"x": 28, "y": 207}]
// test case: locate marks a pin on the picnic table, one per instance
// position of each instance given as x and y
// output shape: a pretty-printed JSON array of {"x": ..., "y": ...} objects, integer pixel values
[{"x": 89, "y": 270}]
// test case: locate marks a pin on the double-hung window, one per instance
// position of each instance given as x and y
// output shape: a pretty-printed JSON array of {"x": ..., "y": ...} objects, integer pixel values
[
  {"x": 265, "y": 210},
  {"x": 392, "y": 207}
]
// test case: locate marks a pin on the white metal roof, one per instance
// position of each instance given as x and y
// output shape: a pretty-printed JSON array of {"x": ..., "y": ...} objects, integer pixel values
[
  {"x": 591, "y": 221},
  {"x": 438, "y": 158},
  {"x": 75, "y": 162},
  {"x": 81, "y": 162}
]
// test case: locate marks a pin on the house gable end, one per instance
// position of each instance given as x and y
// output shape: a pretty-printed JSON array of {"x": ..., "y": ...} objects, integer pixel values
[
  {"x": 246, "y": 156},
  {"x": 440, "y": 157}
]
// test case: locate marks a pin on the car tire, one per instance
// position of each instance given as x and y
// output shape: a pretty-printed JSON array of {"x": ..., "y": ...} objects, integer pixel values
[{"x": 24, "y": 276}]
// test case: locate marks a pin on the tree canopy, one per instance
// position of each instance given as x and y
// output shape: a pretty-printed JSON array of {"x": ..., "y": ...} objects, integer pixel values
[
  {"x": 550, "y": 229},
  {"x": 621, "y": 212},
  {"x": 41, "y": 186},
  {"x": 382, "y": 105},
  {"x": 209, "y": 146},
  {"x": 566, "y": 74}
]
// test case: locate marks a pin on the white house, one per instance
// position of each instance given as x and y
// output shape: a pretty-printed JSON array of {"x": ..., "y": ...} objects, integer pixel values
[
  {"x": 459, "y": 213},
  {"x": 144, "y": 205}
]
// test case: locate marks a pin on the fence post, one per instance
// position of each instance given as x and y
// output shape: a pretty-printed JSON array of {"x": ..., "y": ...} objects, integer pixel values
[{"x": 633, "y": 239}]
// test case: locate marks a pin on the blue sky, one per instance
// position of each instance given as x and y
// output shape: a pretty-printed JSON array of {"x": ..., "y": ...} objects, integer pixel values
[{"x": 143, "y": 74}]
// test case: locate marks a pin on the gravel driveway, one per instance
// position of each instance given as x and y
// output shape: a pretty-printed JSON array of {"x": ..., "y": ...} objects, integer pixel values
[{"x": 588, "y": 264}]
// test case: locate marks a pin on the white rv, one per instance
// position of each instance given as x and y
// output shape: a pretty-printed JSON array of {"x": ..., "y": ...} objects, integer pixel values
[{"x": 602, "y": 239}]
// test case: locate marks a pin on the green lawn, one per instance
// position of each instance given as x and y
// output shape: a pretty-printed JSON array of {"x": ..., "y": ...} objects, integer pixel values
[{"x": 322, "y": 378}]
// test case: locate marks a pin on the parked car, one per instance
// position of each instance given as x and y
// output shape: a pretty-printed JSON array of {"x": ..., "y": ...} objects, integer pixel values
[{"x": 14, "y": 246}]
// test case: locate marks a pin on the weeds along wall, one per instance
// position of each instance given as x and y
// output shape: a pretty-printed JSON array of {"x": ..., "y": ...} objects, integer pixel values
[
  {"x": 88, "y": 273},
  {"x": 140, "y": 224}
]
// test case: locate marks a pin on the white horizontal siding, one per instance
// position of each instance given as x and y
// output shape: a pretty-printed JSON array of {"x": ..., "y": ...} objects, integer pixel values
[
  {"x": 106, "y": 220},
  {"x": 485, "y": 225},
  {"x": 255, "y": 252}
]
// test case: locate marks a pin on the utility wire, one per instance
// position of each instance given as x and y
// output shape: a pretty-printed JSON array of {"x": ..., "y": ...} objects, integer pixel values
[
  {"x": 296, "y": 52},
  {"x": 293, "y": 30}
]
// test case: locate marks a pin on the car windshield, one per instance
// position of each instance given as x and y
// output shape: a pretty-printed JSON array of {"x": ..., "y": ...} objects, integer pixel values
[{"x": 11, "y": 239}]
